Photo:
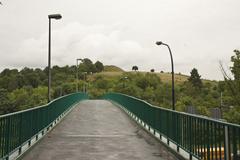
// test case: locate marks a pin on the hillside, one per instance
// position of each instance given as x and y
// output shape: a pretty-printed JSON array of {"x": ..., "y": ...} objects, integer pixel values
[
  {"x": 165, "y": 77},
  {"x": 113, "y": 71},
  {"x": 26, "y": 88},
  {"x": 112, "y": 68}
]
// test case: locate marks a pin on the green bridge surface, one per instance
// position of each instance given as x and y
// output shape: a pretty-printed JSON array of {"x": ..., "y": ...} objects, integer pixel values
[{"x": 98, "y": 130}]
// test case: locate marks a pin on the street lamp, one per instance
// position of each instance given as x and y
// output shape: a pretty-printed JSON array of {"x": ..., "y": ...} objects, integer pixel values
[
  {"x": 173, "y": 93},
  {"x": 124, "y": 80},
  {"x": 84, "y": 85},
  {"x": 52, "y": 16},
  {"x": 79, "y": 59}
]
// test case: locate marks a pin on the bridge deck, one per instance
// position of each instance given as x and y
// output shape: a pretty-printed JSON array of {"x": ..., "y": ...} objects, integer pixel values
[{"x": 97, "y": 130}]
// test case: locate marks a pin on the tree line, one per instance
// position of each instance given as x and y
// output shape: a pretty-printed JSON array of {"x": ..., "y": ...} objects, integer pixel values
[{"x": 28, "y": 87}]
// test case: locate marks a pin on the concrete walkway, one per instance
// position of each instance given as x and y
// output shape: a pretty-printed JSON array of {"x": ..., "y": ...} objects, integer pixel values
[{"x": 98, "y": 130}]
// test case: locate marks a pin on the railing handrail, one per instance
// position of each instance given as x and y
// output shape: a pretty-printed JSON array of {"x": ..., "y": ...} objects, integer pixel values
[
  {"x": 197, "y": 135},
  {"x": 179, "y": 112},
  {"x": 37, "y": 107},
  {"x": 22, "y": 127}
]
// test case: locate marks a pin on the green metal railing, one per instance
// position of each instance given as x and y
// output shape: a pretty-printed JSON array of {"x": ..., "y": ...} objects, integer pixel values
[
  {"x": 17, "y": 129},
  {"x": 201, "y": 137}
]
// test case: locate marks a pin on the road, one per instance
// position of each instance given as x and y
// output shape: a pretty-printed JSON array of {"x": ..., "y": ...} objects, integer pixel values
[{"x": 98, "y": 130}]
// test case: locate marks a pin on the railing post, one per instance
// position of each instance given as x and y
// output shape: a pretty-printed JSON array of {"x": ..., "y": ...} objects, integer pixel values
[
  {"x": 226, "y": 143},
  {"x": 190, "y": 136},
  {"x": 20, "y": 134},
  {"x": 208, "y": 141},
  {"x": 8, "y": 138},
  {"x": 168, "y": 128},
  {"x": 234, "y": 143}
]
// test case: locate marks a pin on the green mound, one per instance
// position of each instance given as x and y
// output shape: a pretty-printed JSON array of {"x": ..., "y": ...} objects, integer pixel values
[{"x": 112, "y": 68}]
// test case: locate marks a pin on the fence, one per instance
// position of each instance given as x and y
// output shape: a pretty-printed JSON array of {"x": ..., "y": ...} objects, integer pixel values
[
  {"x": 17, "y": 129},
  {"x": 201, "y": 137}
]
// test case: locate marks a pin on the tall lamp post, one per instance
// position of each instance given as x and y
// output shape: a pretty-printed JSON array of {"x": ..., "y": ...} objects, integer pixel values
[
  {"x": 79, "y": 59},
  {"x": 84, "y": 85},
  {"x": 51, "y": 16},
  {"x": 173, "y": 92},
  {"x": 124, "y": 81}
]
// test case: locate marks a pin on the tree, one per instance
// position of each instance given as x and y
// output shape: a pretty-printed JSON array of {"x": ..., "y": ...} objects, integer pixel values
[
  {"x": 87, "y": 66},
  {"x": 135, "y": 68},
  {"x": 194, "y": 79},
  {"x": 152, "y": 70},
  {"x": 99, "y": 66},
  {"x": 233, "y": 85},
  {"x": 235, "y": 69},
  {"x": 4, "y": 102}
]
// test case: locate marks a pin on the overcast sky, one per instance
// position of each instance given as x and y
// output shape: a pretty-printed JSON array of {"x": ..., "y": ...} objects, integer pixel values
[{"x": 122, "y": 32}]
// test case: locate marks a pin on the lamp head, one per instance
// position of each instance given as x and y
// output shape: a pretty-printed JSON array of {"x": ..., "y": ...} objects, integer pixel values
[
  {"x": 55, "y": 16},
  {"x": 79, "y": 59},
  {"x": 159, "y": 43}
]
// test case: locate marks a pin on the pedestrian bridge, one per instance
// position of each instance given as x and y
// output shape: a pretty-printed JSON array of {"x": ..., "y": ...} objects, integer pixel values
[{"x": 116, "y": 127}]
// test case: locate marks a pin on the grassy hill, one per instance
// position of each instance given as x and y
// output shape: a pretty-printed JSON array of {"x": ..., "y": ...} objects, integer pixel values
[
  {"x": 111, "y": 72},
  {"x": 112, "y": 68},
  {"x": 165, "y": 77}
]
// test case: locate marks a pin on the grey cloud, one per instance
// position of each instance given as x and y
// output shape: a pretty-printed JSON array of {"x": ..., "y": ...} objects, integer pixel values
[
  {"x": 200, "y": 33},
  {"x": 98, "y": 42}
]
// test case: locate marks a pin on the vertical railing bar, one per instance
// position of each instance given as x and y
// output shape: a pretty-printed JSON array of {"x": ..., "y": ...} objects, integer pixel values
[
  {"x": 204, "y": 139},
  {"x": 167, "y": 128},
  {"x": 201, "y": 137},
  {"x": 12, "y": 131},
  {"x": 7, "y": 136},
  {"x": 234, "y": 144},
  {"x": 1, "y": 136},
  {"x": 10, "y": 134},
  {"x": 184, "y": 134},
  {"x": 181, "y": 130},
  {"x": 195, "y": 136},
  {"x": 178, "y": 132},
  {"x": 215, "y": 141},
  {"x": 190, "y": 136},
  {"x": 220, "y": 133},
  {"x": 229, "y": 142},
  {"x": 20, "y": 133},
  {"x": 212, "y": 140},
  {"x": 187, "y": 134},
  {"x": 238, "y": 141},
  {"x": 208, "y": 141},
  {"x": 226, "y": 143}
]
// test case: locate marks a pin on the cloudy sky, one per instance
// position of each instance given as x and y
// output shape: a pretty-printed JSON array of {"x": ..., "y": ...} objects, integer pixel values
[{"x": 122, "y": 32}]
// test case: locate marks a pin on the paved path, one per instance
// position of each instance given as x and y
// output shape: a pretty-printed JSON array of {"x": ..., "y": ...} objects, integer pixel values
[{"x": 98, "y": 130}]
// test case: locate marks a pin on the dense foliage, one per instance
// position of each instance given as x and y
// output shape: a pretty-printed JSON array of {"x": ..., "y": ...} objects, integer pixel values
[
  {"x": 231, "y": 89},
  {"x": 28, "y": 87}
]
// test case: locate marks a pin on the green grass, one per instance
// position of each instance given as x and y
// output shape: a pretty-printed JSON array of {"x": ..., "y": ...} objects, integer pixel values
[
  {"x": 112, "y": 68},
  {"x": 165, "y": 77}
]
